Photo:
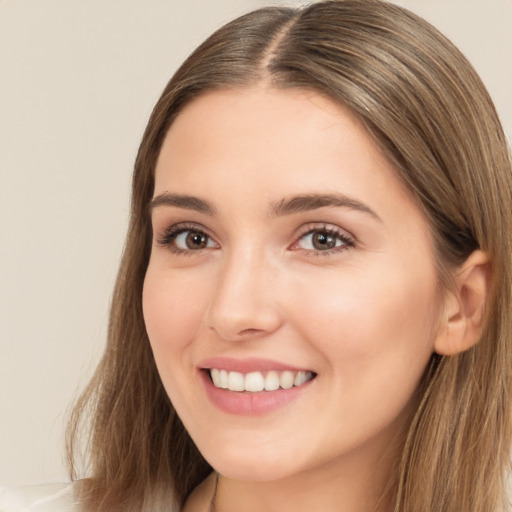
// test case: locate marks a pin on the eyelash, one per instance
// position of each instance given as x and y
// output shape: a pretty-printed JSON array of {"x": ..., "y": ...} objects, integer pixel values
[
  {"x": 333, "y": 231},
  {"x": 169, "y": 236}
]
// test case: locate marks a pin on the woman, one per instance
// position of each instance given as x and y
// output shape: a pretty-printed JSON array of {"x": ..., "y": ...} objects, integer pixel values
[{"x": 312, "y": 311}]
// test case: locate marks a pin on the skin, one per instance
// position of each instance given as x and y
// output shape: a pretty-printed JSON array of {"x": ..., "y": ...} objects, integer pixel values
[{"x": 364, "y": 317}]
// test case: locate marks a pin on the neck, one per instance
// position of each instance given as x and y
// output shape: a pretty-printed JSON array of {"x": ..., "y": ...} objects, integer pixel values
[{"x": 331, "y": 488}]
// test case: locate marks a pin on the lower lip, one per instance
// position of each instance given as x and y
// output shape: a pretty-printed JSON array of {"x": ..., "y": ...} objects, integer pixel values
[{"x": 246, "y": 403}]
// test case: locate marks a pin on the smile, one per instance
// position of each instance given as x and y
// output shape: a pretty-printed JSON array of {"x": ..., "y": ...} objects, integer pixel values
[
  {"x": 254, "y": 386},
  {"x": 256, "y": 382}
]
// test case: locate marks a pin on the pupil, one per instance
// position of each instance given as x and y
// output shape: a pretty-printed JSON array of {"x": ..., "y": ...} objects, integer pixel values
[
  {"x": 323, "y": 241},
  {"x": 196, "y": 240}
]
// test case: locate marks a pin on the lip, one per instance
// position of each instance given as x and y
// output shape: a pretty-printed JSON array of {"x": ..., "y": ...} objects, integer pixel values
[
  {"x": 246, "y": 403},
  {"x": 247, "y": 365}
]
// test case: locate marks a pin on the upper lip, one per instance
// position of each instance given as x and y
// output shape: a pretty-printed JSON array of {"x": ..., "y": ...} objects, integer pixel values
[{"x": 246, "y": 365}]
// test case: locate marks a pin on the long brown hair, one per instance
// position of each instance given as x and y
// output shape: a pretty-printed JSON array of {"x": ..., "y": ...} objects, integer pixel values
[{"x": 427, "y": 108}]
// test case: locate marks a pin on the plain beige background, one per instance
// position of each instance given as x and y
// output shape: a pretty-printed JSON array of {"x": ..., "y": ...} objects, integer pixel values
[{"x": 78, "y": 79}]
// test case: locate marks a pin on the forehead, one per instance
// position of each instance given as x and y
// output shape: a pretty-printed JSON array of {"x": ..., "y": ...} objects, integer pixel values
[
  {"x": 273, "y": 141},
  {"x": 267, "y": 122}
]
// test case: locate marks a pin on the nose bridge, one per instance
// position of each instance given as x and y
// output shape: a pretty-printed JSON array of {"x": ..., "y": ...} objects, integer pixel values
[{"x": 244, "y": 301}]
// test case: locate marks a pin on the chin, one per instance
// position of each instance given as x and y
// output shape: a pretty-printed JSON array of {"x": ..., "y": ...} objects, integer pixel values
[{"x": 251, "y": 465}]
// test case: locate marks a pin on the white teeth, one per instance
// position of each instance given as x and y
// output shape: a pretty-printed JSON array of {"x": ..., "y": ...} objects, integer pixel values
[
  {"x": 236, "y": 381},
  {"x": 300, "y": 378},
  {"x": 256, "y": 382},
  {"x": 286, "y": 380},
  {"x": 215, "y": 374},
  {"x": 271, "y": 381},
  {"x": 223, "y": 379}
]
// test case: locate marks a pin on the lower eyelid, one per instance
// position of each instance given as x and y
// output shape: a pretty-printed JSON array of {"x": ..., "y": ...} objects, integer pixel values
[
  {"x": 168, "y": 240},
  {"x": 346, "y": 240},
  {"x": 170, "y": 233}
]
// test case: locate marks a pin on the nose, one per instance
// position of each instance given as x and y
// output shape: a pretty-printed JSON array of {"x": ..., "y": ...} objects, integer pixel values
[{"x": 243, "y": 304}]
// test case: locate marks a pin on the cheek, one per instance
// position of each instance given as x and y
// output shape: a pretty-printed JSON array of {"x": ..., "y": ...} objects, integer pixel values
[
  {"x": 172, "y": 311},
  {"x": 376, "y": 340},
  {"x": 371, "y": 323}
]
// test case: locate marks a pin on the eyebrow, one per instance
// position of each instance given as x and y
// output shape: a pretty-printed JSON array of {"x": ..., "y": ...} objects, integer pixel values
[
  {"x": 286, "y": 206},
  {"x": 182, "y": 201},
  {"x": 306, "y": 202}
]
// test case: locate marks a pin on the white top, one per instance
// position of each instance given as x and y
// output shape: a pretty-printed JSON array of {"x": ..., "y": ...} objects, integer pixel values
[{"x": 38, "y": 498}]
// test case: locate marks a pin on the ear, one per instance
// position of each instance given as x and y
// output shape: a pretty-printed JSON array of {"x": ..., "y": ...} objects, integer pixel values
[{"x": 465, "y": 306}]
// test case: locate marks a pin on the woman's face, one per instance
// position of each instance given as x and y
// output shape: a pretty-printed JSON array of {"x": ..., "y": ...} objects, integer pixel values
[{"x": 286, "y": 253}]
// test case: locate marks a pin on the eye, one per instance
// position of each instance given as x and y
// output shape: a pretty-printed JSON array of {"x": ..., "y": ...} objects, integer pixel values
[
  {"x": 325, "y": 240},
  {"x": 180, "y": 239},
  {"x": 192, "y": 240}
]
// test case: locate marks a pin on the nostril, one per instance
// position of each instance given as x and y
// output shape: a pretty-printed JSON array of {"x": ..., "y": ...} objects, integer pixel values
[{"x": 249, "y": 331}]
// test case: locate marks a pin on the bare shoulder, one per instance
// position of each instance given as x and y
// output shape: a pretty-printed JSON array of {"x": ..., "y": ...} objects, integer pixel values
[{"x": 58, "y": 497}]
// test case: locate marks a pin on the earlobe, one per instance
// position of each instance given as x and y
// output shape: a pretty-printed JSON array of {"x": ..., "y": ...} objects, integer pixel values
[{"x": 464, "y": 315}]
